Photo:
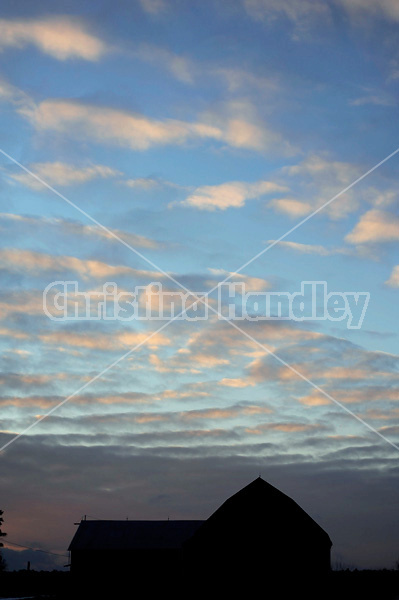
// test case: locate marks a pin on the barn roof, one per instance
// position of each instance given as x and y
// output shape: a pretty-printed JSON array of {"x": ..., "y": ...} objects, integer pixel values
[
  {"x": 132, "y": 535},
  {"x": 260, "y": 507}
]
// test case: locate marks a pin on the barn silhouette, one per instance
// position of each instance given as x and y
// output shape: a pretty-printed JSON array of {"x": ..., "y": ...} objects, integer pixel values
[{"x": 258, "y": 530}]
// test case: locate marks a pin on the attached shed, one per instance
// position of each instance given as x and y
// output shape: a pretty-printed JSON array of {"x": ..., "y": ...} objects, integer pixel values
[{"x": 117, "y": 547}]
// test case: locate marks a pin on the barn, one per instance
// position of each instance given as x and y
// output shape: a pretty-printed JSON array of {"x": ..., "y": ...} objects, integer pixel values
[{"x": 259, "y": 530}]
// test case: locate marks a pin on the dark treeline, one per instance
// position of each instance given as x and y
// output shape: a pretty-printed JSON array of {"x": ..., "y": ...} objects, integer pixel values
[{"x": 61, "y": 585}]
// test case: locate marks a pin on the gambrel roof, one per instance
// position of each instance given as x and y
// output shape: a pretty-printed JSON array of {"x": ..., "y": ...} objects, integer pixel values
[{"x": 259, "y": 508}]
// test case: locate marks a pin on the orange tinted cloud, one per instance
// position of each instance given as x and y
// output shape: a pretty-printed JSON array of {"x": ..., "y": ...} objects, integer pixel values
[
  {"x": 375, "y": 226},
  {"x": 36, "y": 262},
  {"x": 98, "y": 341},
  {"x": 60, "y": 37}
]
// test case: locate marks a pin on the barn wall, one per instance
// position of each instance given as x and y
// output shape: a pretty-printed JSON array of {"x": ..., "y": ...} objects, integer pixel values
[{"x": 105, "y": 563}]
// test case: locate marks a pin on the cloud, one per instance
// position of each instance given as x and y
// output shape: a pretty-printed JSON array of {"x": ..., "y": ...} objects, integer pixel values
[
  {"x": 291, "y": 207},
  {"x": 235, "y": 383},
  {"x": 60, "y": 37},
  {"x": 393, "y": 281},
  {"x": 243, "y": 128},
  {"x": 393, "y": 414},
  {"x": 306, "y": 13},
  {"x": 98, "y": 341},
  {"x": 180, "y": 67},
  {"x": 12, "y": 94},
  {"x": 154, "y": 7},
  {"x": 243, "y": 134},
  {"x": 225, "y": 413},
  {"x": 33, "y": 263},
  {"x": 74, "y": 228},
  {"x": 46, "y": 402},
  {"x": 228, "y": 195},
  {"x": 375, "y": 226},
  {"x": 385, "y": 198},
  {"x": 170, "y": 366},
  {"x": 284, "y": 427},
  {"x": 111, "y": 126},
  {"x": 252, "y": 284},
  {"x": 27, "y": 302},
  {"x": 218, "y": 346},
  {"x": 358, "y": 395},
  {"x": 131, "y": 238},
  {"x": 145, "y": 183},
  {"x": 318, "y": 179},
  {"x": 387, "y": 9},
  {"x": 375, "y": 99},
  {"x": 63, "y": 174},
  {"x": 319, "y": 166},
  {"x": 349, "y": 373},
  {"x": 241, "y": 79},
  {"x": 206, "y": 361},
  {"x": 10, "y": 333},
  {"x": 108, "y": 125},
  {"x": 310, "y": 248},
  {"x": 123, "y": 480},
  {"x": 300, "y": 12},
  {"x": 29, "y": 381},
  {"x": 150, "y": 183}
]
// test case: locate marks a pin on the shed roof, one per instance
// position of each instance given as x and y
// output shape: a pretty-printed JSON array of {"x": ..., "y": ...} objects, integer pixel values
[{"x": 132, "y": 535}]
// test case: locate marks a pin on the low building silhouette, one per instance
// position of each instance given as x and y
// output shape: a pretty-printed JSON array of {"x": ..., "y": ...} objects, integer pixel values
[{"x": 119, "y": 546}]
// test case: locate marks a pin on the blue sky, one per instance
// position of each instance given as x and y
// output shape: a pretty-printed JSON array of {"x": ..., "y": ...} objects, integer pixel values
[{"x": 199, "y": 133}]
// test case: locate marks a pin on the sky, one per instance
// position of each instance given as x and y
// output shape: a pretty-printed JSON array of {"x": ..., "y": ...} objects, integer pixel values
[{"x": 183, "y": 144}]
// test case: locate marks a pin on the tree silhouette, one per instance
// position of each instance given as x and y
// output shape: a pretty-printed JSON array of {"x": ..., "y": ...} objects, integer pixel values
[{"x": 3, "y": 564}]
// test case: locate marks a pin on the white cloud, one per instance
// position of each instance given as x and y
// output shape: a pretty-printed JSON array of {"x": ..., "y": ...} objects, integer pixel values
[
  {"x": 291, "y": 206},
  {"x": 375, "y": 226},
  {"x": 239, "y": 128},
  {"x": 60, "y": 37},
  {"x": 310, "y": 248},
  {"x": 62, "y": 174},
  {"x": 108, "y": 125},
  {"x": 227, "y": 195},
  {"x": 393, "y": 281},
  {"x": 242, "y": 134},
  {"x": 243, "y": 128}
]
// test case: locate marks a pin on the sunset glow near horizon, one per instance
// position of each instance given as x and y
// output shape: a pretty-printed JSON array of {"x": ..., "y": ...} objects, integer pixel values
[{"x": 198, "y": 134}]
